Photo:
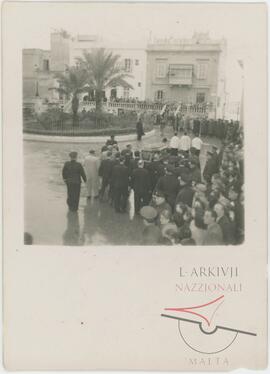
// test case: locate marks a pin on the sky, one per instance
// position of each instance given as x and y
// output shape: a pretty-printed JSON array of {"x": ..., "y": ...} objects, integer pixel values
[{"x": 134, "y": 22}]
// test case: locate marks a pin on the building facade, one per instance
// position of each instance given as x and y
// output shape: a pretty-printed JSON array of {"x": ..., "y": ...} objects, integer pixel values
[
  {"x": 186, "y": 71},
  {"x": 37, "y": 77},
  {"x": 132, "y": 60}
]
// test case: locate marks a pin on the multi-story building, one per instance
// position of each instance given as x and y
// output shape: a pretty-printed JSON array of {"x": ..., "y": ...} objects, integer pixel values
[
  {"x": 132, "y": 60},
  {"x": 187, "y": 71}
]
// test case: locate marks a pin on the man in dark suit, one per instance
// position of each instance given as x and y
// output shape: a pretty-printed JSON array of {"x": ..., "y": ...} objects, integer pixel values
[
  {"x": 134, "y": 162},
  {"x": 72, "y": 174},
  {"x": 139, "y": 129},
  {"x": 120, "y": 183},
  {"x": 141, "y": 184},
  {"x": 156, "y": 170},
  {"x": 169, "y": 185}
]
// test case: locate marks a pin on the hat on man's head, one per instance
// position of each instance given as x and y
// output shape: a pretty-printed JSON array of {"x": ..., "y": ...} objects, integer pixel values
[
  {"x": 92, "y": 151},
  {"x": 73, "y": 154},
  {"x": 148, "y": 213}
]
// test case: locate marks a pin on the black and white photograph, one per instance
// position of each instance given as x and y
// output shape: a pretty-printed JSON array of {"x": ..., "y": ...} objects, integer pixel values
[
  {"x": 133, "y": 131},
  {"x": 134, "y": 186}
]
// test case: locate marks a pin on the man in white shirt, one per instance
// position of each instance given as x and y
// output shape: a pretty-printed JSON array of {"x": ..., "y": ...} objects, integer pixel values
[
  {"x": 185, "y": 143},
  {"x": 174, "y": 144},
  {"x": 197, "y": 144}
]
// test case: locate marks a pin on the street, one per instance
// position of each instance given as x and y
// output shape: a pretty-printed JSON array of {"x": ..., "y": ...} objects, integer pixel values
[{"x": 46, "y": 214}]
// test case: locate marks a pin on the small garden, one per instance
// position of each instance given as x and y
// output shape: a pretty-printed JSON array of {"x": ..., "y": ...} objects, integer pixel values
[
  {"x": 93, "y": 73},
  {"x": 55, "y": 122}
]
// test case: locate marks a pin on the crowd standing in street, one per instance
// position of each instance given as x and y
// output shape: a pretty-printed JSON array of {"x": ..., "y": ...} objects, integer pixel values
[{"x": 180, "y": 202}]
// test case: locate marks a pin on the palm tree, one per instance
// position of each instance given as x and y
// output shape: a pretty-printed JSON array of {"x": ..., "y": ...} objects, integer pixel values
[
  {"x": 103, "y": 70},
  {"x": 71, "y": 83}
]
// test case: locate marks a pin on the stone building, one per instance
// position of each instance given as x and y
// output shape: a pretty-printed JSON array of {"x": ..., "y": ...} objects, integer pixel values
[{"x": 186, "y": 70}]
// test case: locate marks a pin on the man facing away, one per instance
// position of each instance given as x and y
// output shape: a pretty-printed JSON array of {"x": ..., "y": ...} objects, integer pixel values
[
  {"x": 141, "y": 184},
  {"x": 174, "y": 144},
  {"x": 91, "y": 165},
  {"x": 185, "y": 143},
  {"x": 120, "y": 183},
  {"x": 197, "y": 143},
  {"x": 72, "y": 174},
  {"x": 139, "y": 129}
]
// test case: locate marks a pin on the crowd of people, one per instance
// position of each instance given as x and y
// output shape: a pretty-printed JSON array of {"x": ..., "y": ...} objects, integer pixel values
[{"x": 179, "y": 201}]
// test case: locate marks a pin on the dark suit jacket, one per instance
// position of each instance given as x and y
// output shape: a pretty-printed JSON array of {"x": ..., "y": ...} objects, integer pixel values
[
  {"x": 120, "y": 176},
  {"x": 140, "y": 180},
  {"x": 73, "y": 172},
  {"x": 210, "y": 169},
  {"x": 105, "y": 169},
  {"x": 185, "y": 196},
  {"x": 169, "y": 185}
]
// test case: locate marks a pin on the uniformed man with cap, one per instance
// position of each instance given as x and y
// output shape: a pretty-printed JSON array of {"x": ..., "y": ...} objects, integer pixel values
[
  {"x": 151, "y": 234},
  {"x": 73, "y": 173}
]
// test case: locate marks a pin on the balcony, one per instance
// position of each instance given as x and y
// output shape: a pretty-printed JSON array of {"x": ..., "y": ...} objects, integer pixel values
[{"x": 180, "y": 74}]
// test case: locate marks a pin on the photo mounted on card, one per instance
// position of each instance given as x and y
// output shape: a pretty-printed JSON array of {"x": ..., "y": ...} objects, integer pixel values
[{"x": 135, "y": 185}]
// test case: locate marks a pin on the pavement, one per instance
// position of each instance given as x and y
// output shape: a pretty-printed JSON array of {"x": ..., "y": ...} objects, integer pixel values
[{"x": 45, "y": 211}]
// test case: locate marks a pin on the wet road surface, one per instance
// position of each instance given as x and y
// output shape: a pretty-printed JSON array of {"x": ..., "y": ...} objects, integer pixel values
[{"x": 45, "y": 210}]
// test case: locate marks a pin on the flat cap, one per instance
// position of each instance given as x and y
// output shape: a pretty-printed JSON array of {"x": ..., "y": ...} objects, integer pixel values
[{"x": 148, "y": 212}]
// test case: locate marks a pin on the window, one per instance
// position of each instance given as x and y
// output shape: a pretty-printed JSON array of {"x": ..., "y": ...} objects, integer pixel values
[
  {"x": 159, "y": 95},
  {"x": 139, "y": 84},
  {"x": 136, "y": 62},
  {"x": 128, "y": 65},
  {"x": 45, "y": 65},
  {"x": 180, "y": 74},
  {"x": 161, "y": 70},
  {"x": 202, "y": 70},
  {"x": 200, "y": 98},
  {"x": 126, "y": 93}
]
